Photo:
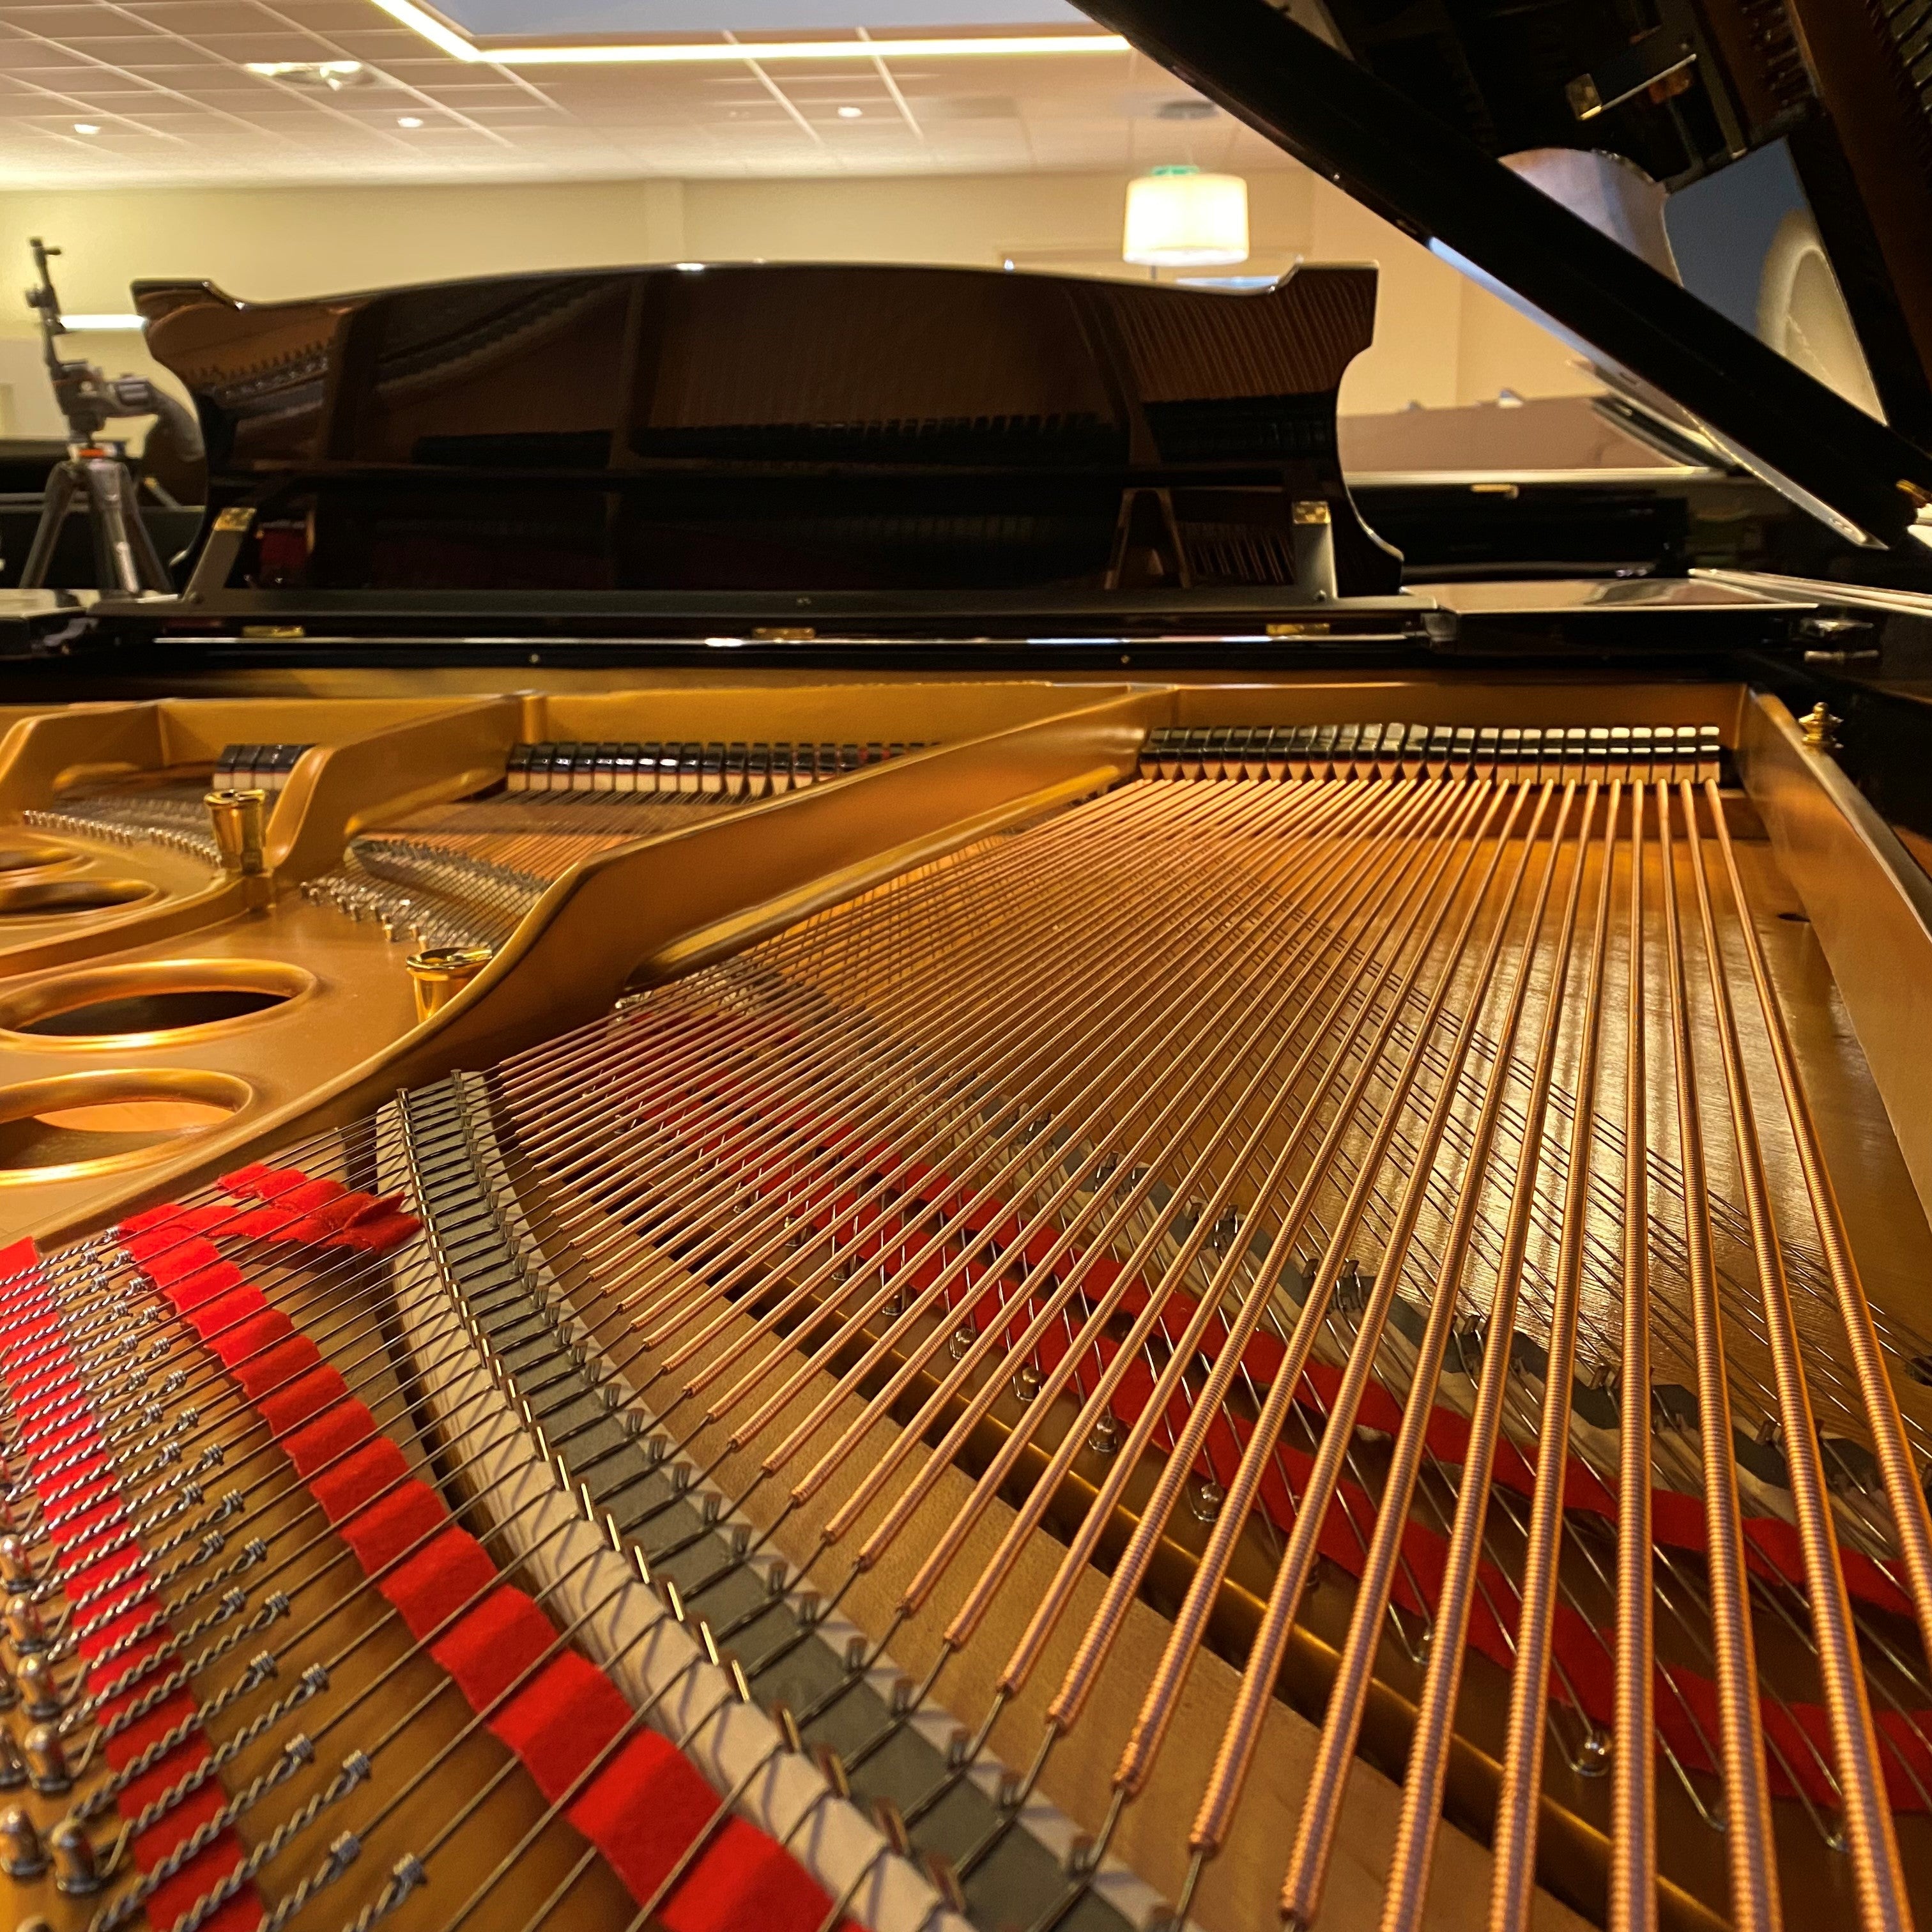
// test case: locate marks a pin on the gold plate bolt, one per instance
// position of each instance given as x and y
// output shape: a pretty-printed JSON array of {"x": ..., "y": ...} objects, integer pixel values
[
  {"x": 239, "y": 820},
  {"x": 440, "y": 972},
  {"x": 1821, "y": 728}
]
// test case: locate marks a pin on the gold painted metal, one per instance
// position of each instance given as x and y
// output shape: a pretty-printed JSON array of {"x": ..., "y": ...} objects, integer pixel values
[
  {"x": 1820, "y": 727},
  {"x": 67, "y": 898},
  {"x": 21, "y": 1004},
  {"x": 239, "y": 820},
  {"x": 1869, "y": 906},
  {"x": 438, "y": 974},
  {"x": 24, "y": 860},
  {"x": 1684, "y": 1070},
  {"x": 203, "y": 1099}
]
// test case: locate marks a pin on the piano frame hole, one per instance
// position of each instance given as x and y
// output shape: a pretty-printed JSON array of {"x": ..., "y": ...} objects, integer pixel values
[
  {"x": 23, "y": 861},
  {"x": 153, "y": 1004},
  {"x": 81, "y": 1124},
  {"x": 65, "y": 899}
]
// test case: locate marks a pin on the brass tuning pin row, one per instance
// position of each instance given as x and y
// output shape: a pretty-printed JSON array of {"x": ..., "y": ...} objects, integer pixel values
[{"x": 1671, "y": 752}]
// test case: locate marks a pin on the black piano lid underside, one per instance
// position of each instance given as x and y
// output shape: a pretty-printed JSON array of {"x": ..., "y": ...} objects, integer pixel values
[{"x": 1433, "y": 179}]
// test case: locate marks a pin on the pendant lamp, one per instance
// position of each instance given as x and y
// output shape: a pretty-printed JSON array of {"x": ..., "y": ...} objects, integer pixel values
[{"x": 1177, "y": 217}]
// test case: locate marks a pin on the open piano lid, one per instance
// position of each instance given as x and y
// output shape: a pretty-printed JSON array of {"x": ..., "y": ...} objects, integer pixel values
[{"x": 1391, "y": 149}]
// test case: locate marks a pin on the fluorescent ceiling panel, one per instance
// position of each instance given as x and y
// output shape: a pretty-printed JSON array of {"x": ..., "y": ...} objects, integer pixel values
[
  {"x": 438, "y": 29},
  {"x": 550, "y": 17}
]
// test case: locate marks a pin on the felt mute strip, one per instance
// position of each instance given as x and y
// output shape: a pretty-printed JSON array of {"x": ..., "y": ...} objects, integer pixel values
[
  {"x": 88, "y": 1520},
  {"x": 645, "y": 1806}
]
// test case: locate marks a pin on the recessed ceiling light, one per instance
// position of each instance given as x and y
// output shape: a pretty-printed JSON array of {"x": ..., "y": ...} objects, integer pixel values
[
  {"x": 86, "y": 127},
  {"x": 851, "y": 113},
  {"x": 333, "y": 76},
  {"x": 409, "y": 120}
]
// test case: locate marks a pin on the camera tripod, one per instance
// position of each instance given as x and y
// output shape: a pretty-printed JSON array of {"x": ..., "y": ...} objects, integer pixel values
[
  {"x": 95, "y": 474},
  {"x": 125, "y": 559}
]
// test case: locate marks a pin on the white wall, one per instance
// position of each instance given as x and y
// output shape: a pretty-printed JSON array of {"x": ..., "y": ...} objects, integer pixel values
[{"x": 1439, "y": 339}]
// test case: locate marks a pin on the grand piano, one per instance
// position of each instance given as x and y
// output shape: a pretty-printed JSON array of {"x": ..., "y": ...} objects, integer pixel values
[{"x": 812, "y": 1112}]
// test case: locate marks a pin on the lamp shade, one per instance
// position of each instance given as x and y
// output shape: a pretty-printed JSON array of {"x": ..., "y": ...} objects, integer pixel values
[{"x": 1181, "y": 218}]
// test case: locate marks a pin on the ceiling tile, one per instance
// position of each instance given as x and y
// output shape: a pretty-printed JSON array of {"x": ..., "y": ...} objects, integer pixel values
[{"x": 167, "y": 80}]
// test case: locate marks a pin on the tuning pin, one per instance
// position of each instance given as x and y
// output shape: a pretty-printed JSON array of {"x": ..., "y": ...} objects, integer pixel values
[
  {"x": 25, "y": 1631},
  {"x": 47, "y": 1759},
  {"x": 13, "y": 1766},
  {"x": 9, "y": 1695},
  {"x": 39, "y": 1688},
  {"x": 16, "y": 1570},
  {"x": 76, "y": 1864},
  {"x": 21, "y": 1854}
]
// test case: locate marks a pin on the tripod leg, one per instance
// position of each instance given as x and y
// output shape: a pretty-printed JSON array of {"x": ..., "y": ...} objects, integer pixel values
[
  {"x": 57, "y": 499},
  {"x": 125, "y": 552}
]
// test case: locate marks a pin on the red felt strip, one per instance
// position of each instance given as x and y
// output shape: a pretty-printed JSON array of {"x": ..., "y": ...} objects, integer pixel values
[
  {"x": 381, "y": 1533},
  {"x": 559, "y": 1723},
  {"x": 745, "y": 1882},
  {"x": 334, "y": 1431},
  {"x": 72, "y": 1533},
  {"x": 643, "y": 1808},
  {"x": 282, "y": 1366},
  {"x": 239, "y": 1337},
  {"x": 381, "y": 1235},
  {"x": 252, "y": 1179},
  {"x": 308, "y": 1195},
  {"x": 436, "y": 1583},
  {"x": 487, "y": 1650},
  {"x": 262, "y": 1224},
  {"x": 346, "y": 1485},
  {"x": 288, "y": 1408},
  {"x": 206, "y": 1284},
  {"x": 167, "y": 1261}
]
